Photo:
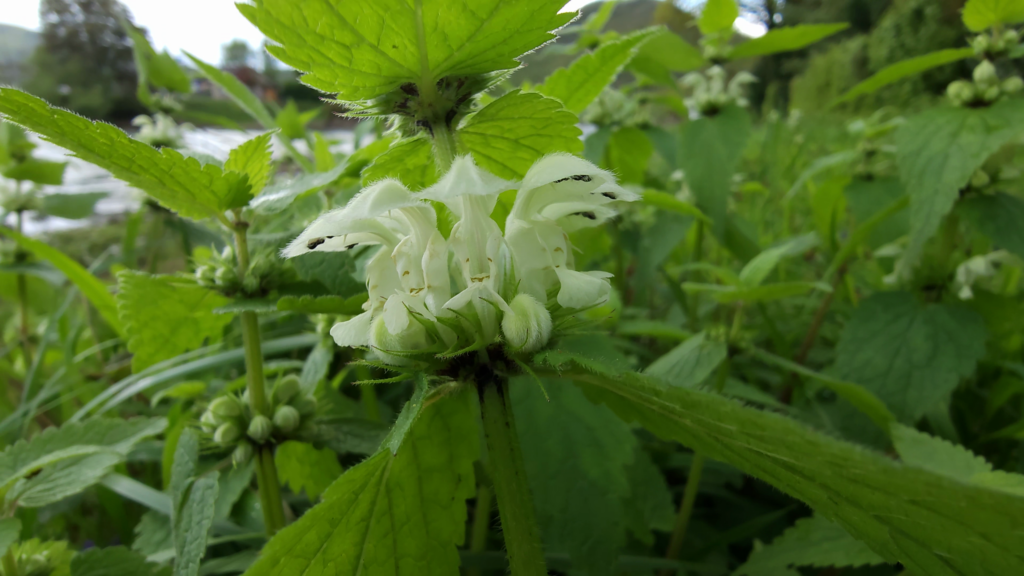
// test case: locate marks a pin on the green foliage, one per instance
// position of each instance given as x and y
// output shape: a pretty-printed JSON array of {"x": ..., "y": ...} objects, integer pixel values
[
  {"x": 184, "y": 319},
  {"x": 906, "y": 69},
  {"x": 410, "y": 160},
  {"x": 114, "y": 561},
  {"x": 814, "y": 542},
  {"x": 786, "y": 40},
  {"x": 179, "y": 183},
  {"x": 690, "y": 363},
  {"x": 910, "y": 354},
  {"x": 508, "y": 135},
  {"x": 194, "y": 504},
  {"x": 396, "y": 512},
  {"x": 665, "y": 53},
  {"x": 579, "y": 84},
  {"x": 38, "y": 171},
  {"x": 304, "y": 468},
  {"x": 718, "y": 16},
  {"x": 980, "y": 15},
  {"x": 71, "y": 206},
  {"x": 419, "y": 42},
  {"x": 252, "y": 159},
  {"x": 939, "y": 151},
  {"x": 998, "y": 216},
  {"x": 237, "y": 91},
  {"x": 278, "y": 196}
]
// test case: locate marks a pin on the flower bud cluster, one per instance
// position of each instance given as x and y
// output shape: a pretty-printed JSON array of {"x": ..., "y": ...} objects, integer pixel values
[
  {"x": 709, "y": 93},
  {"x": 160, "y": 130},
  {"x": 984, "y": 88},
  {"x": 432, "y": 297},
  {"x": 996, "y": 44},
  {"x": 220, "y": 272},
  {"x": 232, "y": 422}
]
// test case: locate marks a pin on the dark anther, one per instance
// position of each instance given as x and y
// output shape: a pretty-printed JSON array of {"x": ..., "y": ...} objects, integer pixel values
[
  {"x": 609, "y": 195},
  {"x": 582, "y": 178},
  {"x": 587, "y": 215},
  {"x": 351, "y": 246},
  {"x": 410, "y": 89},
  {"x": 312, "y": 244},
  {"x": 562, "y": 180}
]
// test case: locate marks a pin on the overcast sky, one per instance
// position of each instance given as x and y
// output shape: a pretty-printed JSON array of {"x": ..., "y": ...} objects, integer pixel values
[{"x": 198, "y": 26}]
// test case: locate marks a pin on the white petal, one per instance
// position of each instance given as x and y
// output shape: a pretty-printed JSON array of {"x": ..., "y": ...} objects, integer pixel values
[
  {"x": 582, "y": 289},
  {"x": 476, "y": 291},
  {"x": 353, "y": 332},
  {"x": 465, "y": 178}
]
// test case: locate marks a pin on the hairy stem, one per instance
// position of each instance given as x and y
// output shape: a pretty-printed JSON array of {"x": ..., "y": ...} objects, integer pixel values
[
  {"x": 515, "y": 503},
  {"x": 675, "y": 545},
  {"x": 266, "y": 473},
  {"x": 445, "y": 146},
  {"x": 481, "y": 523}
]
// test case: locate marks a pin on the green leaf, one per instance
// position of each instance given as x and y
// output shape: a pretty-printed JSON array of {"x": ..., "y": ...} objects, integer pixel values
[
  {"x": 177, "y": 182},
  {"x": 334, "y": 270},
  {"x": 71, "y": 206},
  {"x": 55, "y": 552},
  {"x": 361, "y": 49},
  {"x": 292, "y": 123},
  {"x": 998, "y": 216},
  {"x": 63, "y": 479},
  {"x": 761, "y": 266},
  {"x": 821, "y": 165},
  {"x": 153, "y": 533},
  {"x": 10, "y": 530},
  {"x": 165, "y": 316},
  {"x": 709, "y": 153},
  {"x": 905, "y": 69},
  {"x": 690, "y": 363},
  {"x": 395, "y": 513},
  {"x": 980, "y": 15},
  {"x": 910, "y": 354},
  {"x": 937, "y": 455},
  {"x": 316, "y": 366},
  {"x": 411, "y": 161},
  {"x": 195, "y": 502},
  {"x": 238, "y": 92},
  {"x": 904, "y": 514},
  {"x": 323, "y": 304},
  {"x": 813, "y": 541},
  {"x": 38, "y": 171},
  {"x": 304, "y": 468},
  {"x": 577, "y": 85},
  {"x": 668, "y": 202},
  {"x": 629, "y": 152},
  {"x": 252, "y": 158},
  {"x": 580, "y": 480},
  {"x": 664, "y": 54},
  {"x": 230, "y": 486},
  {"x": 279, "y": 196},
  {"x": 868, "y": 200},
  {"x": 786, "y": 39},
  {"x": 938, "y": 152},
  {"x": 114, "y": 561},
  {"x": 71, "y": 441},
  {"x": 511, "y": 133},
  {"x": 90, "y": 286},
  {"x": 718, "y": 16},
  {"x": 649, "y": 505},
  {"x": 158, "y": 69}
]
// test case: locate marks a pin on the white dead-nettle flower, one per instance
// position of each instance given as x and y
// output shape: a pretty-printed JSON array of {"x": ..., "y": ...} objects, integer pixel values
[
  {"x": 709, "y": 91},
  {"x": 977, "y": 269},
  {"x": 160, "y": 130},
  {"x": 501, "y": 283}
]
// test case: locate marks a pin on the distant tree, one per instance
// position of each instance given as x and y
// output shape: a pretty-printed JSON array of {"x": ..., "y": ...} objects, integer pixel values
[
  {"x": 84, "y": 58},
  {"x": 236, "y": 54}
]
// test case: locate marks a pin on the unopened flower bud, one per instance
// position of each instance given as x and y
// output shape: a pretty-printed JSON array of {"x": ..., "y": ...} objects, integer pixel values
[
  {"x": 227, "y": 433},
  {"x": 226, "y": 407},
  {"x": 980, "y": 179},
  {"x": 1013, "y": 85},
  {"x": 306, "y": 405},
  {"x": 1011, "y": 38},
  {"x": 961, "y": 92},
  {"x": 242, "y": 454},
  {"x": 225, "y": 276},
  {"x": 528, "y": 327},
  {"x": 286, "y": 389},
  {"x": 980, "y": 44},
  {"x": 209, "y": 422},
  {"x": 286, "y": 418},
  {"x": 985, "y": 74},
  {"x": 260, "y": 428},
  {"x": 251, "y": 283},
  {"x": 992, "y": 94},
  {"x": 206, "y": 275}
]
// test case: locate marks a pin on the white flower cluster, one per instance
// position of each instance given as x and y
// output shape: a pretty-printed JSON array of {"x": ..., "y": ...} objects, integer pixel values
[
  {"x": 709, "y": 92},
  {"x": 434, "y": 295}
]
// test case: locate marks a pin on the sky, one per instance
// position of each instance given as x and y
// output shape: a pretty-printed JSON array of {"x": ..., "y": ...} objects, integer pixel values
[{"x": 173, "y": 26}]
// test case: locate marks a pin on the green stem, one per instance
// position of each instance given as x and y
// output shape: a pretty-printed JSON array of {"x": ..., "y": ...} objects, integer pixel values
[
  {"x": 481, "y": 523},
  {"x": 675, "y": 546},
  {"x": 10, "y": 564},
  {"x": 445, "y": 146},
  {"x": 515, "y": 504},
  {"x": 266, "y": 473},
  {"x": 24, "y": 330}
]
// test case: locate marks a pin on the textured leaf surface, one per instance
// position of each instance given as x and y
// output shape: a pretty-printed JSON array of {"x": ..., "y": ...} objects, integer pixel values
[
  {"x": 580, "y": 479},
  {"x": 999, "y": 216},
  {"x": 905, "y": 69},
  {"x": 395, "y": 513},
  {"x": 813, "y": 541},
  {"x": 935, "y": 454},
  {"x": 939, "y": 151},
  {"x": 508, "y": 135},
  {"x": 411, "y": 161},
  {"x": 690, "y": 363},
  {"x": 74, "y": 440},
  {"x": 195, "y": 502},
  {"x": 361, "y": 49},
  {"x": 710, "y": 151},
  {"x": 252, "y": 158},
  {"x": 577, "y": 85},
  {"x": 177, "y": 182},
  {"x": 786, "y": 39},
  {"x": 113, "y": 561},
  {"x": 304, "y": 468},
  {"x": 980, "y": 15},
  {"x": 92, "y": 288},
  {"x": 909, "y": 354},
  {"x": 165, "y": 316},
  {"x": 903, "y": 513},
  {"x": 63, "y": 479}
]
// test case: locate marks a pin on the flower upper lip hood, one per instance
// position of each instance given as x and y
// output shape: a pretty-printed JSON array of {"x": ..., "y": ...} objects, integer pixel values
[{"x": 411, "y": 307}]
